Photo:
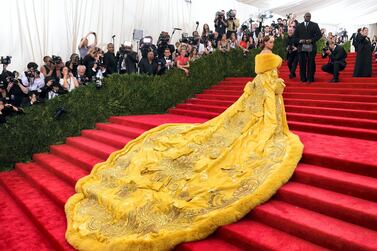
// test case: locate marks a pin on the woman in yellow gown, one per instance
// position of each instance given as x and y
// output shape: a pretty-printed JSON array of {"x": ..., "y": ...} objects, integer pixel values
[{"x": 179, "y": 182}]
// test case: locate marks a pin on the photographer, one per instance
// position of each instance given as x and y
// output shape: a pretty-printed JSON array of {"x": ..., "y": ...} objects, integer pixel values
[
  {"x": 163, "y": 42},
  {"x": 126, "y": 59},
  {"x": 68, "y": 81},
  {"x": 337, "y": 60},
  {"x": 232, "y": 23},
  {"x": 195, "y": 39},
  {"x": 53, "y": 88},
  {"x": 165, "y": 63},
  {"x": 6, "y": 110},
  {"x": 73, "y": 62},
  {"x": 84, "y": 44},
  {"x": 109, "y": 59},
  {"x": 374, "y": 47},
  {"x": 148, "y": 64},
  {"x": 214, "y": 39},
  {"x": 52, "y": 66},
  {"x": 220, "y": 23},
  {"x": 307, "y": 34},
  {"x": 98, "y": 70},
  {"x": 17, "y": 92},
  {"x": 90, "y": 61},
  {"x": 32, "y": 78},
  {"x": 363, "y": 66},
  {"x": 292, "y": 52},
  {"x": 81, "y": 76},
  {"x": 5, "y": 61},
  {"x": 146, "y": 45}
]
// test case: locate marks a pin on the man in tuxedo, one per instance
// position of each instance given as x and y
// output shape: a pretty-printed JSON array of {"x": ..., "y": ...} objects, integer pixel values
[
  {"x": 165, "y": 63},
  {"x": 307, "y": 34},
  {"x": 337, "y": 60}
]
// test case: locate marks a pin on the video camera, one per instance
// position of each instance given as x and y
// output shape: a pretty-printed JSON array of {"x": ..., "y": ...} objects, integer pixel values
[
  {"x": 125, "y": 48},
  {"x": 187, "y": 39},
  {"x": 5, "y": 60},
  {"x": 55, "y": 60},
  {"x": 146, "y": 46}
]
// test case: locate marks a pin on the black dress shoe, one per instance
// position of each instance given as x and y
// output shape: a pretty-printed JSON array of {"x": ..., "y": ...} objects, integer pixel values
[
  {"x": 334, "y": 80},
  {"x": 303, "y": 81}
]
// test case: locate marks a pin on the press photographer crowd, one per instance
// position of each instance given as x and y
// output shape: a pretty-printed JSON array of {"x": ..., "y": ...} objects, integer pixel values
[{"x": 91, "y": 64}]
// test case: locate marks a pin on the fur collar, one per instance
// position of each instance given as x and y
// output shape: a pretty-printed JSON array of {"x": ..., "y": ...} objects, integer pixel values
[{"x": 266, "y": 62}]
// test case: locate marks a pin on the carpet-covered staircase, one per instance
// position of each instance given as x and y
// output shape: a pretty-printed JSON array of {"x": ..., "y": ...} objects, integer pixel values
[{"x": 330, "y": 202}]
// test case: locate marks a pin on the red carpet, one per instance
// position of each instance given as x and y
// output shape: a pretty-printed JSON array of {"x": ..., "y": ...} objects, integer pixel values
[{"x": 330, "y": 203}]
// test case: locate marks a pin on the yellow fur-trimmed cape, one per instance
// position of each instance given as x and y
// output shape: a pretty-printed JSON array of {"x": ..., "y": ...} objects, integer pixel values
[{"x": 266, "y": 62}]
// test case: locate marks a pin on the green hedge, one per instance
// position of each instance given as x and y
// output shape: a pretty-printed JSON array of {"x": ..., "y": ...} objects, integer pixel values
[{"x": 36, "y": 130}]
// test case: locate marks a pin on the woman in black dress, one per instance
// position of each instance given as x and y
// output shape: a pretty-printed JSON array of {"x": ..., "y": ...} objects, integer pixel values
[{"x": 363, "y": 66}]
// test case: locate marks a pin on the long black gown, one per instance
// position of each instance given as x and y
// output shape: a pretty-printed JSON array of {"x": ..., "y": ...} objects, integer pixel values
[{"x": 363, "y": 66}]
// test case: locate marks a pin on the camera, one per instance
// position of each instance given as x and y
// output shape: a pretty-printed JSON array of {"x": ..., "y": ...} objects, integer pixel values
[
  {"x": 98, "y": 83},
  {"x": 274, "y": 25},
  {"x": 124, "y": 49},
  {"x": 146, "y": 46},
  {"x": 100, "y": 62},
  {"x": 164, "y": 38},
  {"x": 32, "y": 73},
  {"x": 220, "y": 15},
  {"x": 55, "y": 82},
  {"x": 55, "y": 60},
  {"x": 324, "y": 50},
  {"x": 191, "y": 40},
  {"x": 290, "y": 48},
  {"x": 5, "y": 60},
  {"x": 231, "y": 14}
]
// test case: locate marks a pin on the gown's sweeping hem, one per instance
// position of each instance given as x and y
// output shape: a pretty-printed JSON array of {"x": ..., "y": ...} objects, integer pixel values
[
  {"x": 220, "y": 217},
  {"x": 179, "y": 182}
]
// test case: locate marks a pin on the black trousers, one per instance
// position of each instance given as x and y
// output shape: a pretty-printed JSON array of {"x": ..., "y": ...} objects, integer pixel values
[
  {"x": 292, "y": 62},
  {"x": 307, "y": 65},
  {"x": 334, "y": 68}
]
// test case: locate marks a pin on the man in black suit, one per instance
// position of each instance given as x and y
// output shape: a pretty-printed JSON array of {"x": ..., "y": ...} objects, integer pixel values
[
  {"x": 337, "y": 60},
  {"x": 307, "y": 34},
  {"x": 109, "y": 59},
  {"x": 165, "y": 63}
]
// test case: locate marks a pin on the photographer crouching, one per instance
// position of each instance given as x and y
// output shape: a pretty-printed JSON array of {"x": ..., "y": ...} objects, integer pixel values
[
  {"x": 34, "y": 80},
  {"x": 337, "y": 61}
]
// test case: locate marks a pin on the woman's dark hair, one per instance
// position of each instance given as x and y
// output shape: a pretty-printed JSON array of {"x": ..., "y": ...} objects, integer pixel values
[
  {"x": 265, "y": 39},
  {"x": 245, "y": 36},
  {"x": 204, "y": 32}
]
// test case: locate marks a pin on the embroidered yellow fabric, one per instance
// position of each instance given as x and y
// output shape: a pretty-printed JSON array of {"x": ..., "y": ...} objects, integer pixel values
[{"x": 179, "y": 182}]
